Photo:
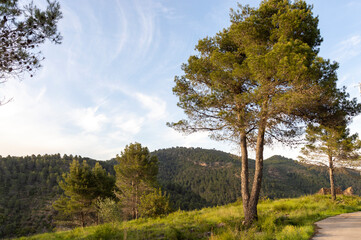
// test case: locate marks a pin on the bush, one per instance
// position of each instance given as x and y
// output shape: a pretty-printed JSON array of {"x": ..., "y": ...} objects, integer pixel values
[
  {"x": 293, "y": 232},
  {"x": 154, "y": 204},
  {"x": 109, "y": 210}
]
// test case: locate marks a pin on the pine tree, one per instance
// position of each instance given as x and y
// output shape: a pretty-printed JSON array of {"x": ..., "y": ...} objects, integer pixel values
[
  {"x": 334, "y": 145},
  {"x": 254, "y": 82},
  {"x": 103, "y": 181},
  {"x": 136, "y": 174},
  {"x": 329, "y": 140},
  {"x": 23, "y": 28},
  {"x": 82, "y": 187}
]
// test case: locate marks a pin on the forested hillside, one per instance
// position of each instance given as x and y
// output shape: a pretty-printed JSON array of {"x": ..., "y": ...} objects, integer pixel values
[
  {"x": 28, "y": 187},
  {"x": 197, "y": 177},
  {"x": 193, "y": 177}
]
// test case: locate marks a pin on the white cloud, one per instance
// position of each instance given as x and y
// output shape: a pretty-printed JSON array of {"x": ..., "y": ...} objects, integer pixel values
[
  {"x": 129, "y": 124},
  {"x": 88, "y": 119},
  {"x": 348, "y": 49},
  {"x": 33, "y": 123},
  {"x": 156, "y": 107}
]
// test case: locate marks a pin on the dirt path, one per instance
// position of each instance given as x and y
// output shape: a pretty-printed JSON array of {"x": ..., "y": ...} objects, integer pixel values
[{"x": 344, "y": 226}]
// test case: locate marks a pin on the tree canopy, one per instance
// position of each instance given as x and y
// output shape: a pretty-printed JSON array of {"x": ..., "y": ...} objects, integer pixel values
[
  {"x": 22, "y": 30},
  {"x": 256, "y": 81}
]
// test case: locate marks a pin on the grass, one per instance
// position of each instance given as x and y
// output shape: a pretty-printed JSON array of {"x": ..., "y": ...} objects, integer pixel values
[{"x": 279, "y": 219}]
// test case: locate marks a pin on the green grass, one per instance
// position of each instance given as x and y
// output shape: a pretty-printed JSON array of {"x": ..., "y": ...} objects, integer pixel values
[{"x": 279, "y": 219}]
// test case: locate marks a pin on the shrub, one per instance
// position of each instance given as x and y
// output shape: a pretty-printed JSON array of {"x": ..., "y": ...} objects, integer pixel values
[
  {"x": 154, "y": 204},
  {"x": 109, "y": 210}
]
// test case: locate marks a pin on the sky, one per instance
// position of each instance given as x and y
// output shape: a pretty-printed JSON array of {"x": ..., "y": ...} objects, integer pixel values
[{"x": 110, "y": 82}]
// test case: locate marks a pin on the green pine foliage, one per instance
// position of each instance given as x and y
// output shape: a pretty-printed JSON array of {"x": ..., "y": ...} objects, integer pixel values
[
  {"x": 257, "y": 82},
  {"x": 82, "y": 186},
  {"x": 196, "y": 177},
  {"x": 333, "y": 145},
  {"x": 136, "y": 174},
  {"x": 329, "y": 139},
  {"x": 23, "y": 28}
]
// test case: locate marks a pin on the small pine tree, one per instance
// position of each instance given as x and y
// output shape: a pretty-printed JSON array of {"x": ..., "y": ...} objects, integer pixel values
[
  {"x": 82, "y": 186},
  {"x": 331, "y": 144},
  {"x": 329, "y": 139},
  {"x": 136, "y": 174}
]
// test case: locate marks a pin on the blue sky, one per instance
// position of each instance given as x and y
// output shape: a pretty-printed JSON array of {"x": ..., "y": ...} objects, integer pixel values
[{"x": 110, "y": 82}]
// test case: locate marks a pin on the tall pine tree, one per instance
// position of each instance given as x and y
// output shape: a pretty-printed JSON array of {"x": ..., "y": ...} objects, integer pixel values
[
  {"x": 136, "y": 174},
  {"x": 255, "y": 82}
]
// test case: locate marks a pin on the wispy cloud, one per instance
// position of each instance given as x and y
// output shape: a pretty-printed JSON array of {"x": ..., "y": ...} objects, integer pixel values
[
  {"x": 156, "y": 107},
  {"x": 123, "y": 25},
  {"x": 348, "y": 48},
  {"x": 109, "y": 82},
  {"x": 354, "y": 4},
  {"x": 129, "y": 124},
  {"x": 70, "y": 23},
  {"x": 146, "y": 20},
  {"x": 164, "y": 10},
  {"x": 39, "y": 97}
]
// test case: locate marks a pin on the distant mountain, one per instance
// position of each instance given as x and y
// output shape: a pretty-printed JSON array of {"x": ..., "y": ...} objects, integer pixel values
[{"x": 193, "y": 177}]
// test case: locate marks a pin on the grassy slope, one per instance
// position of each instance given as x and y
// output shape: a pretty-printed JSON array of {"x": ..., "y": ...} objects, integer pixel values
[{"x": 279, "y": 219}]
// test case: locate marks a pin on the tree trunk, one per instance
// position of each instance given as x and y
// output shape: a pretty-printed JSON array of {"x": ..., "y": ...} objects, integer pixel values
[
  {"x": 257, "y": 180},
  {"x": 98, "y": 220},
  {"x": 136, "y": 202},
  {"x": 133, "y": 201},
  {"x": 332, "y": 181},
  {"x": 82, "y": 219},
  {"x": 245, "y": 178}
]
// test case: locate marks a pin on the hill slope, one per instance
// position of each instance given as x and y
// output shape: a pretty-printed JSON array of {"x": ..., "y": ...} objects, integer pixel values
[
  {"x": 278, "y": 219},
  {"x": 28, "y": 187},
  {"x": 197, "y": 177},
  {"x": 194, "y": 178}
]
